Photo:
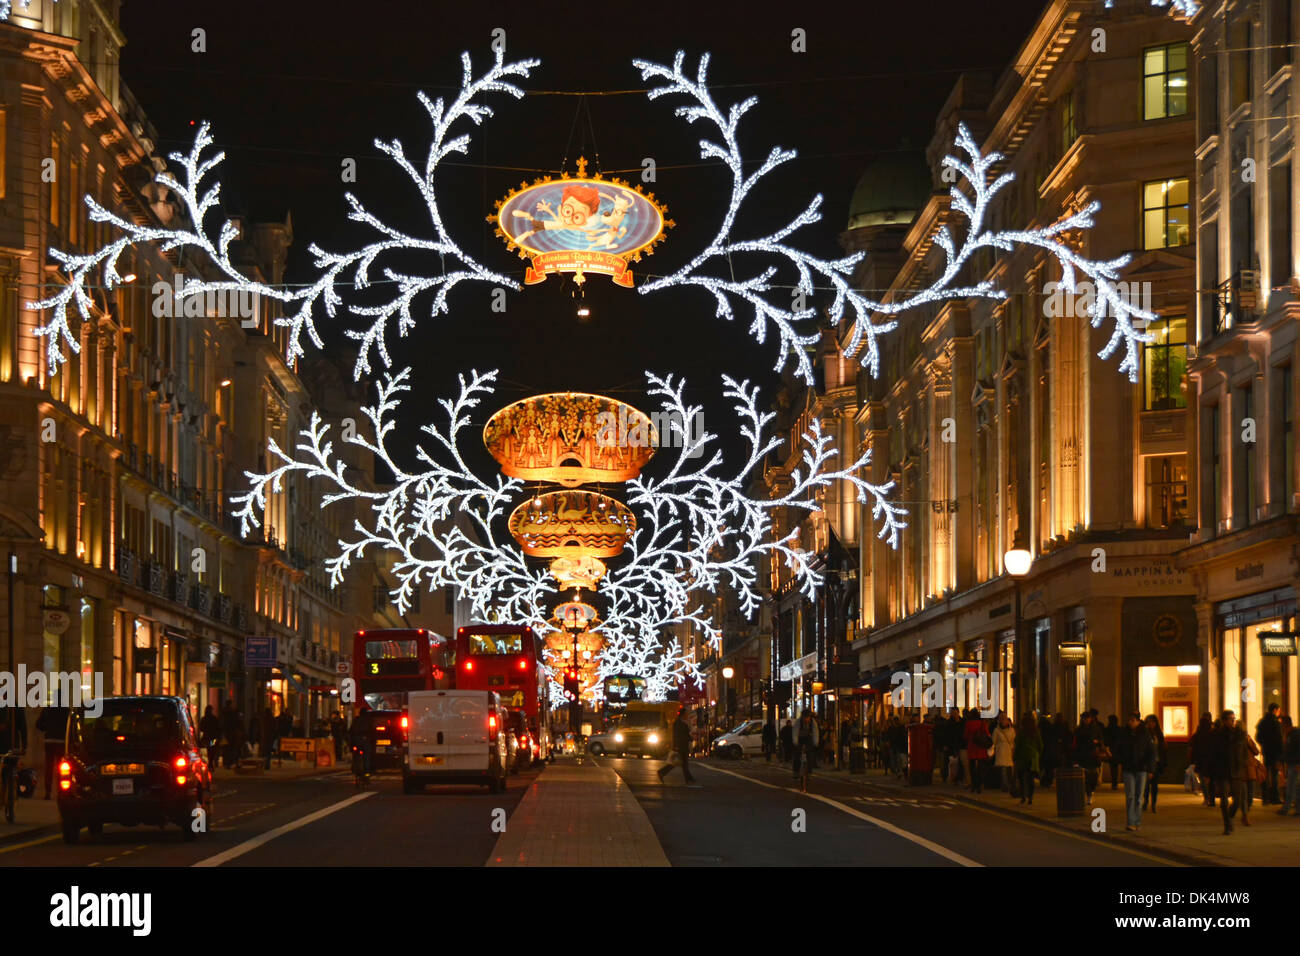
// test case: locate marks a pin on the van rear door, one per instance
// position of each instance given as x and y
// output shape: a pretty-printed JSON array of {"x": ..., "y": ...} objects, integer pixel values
[{"x": 449, "y": 730}]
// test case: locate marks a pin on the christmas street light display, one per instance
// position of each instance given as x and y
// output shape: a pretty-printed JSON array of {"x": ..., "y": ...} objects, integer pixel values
[
  {"x": 572, "y": 524},
  {"x": 695, "y": 527},
  {"x": 582, "y": 572},
  {"x": 970, "y": 198}
]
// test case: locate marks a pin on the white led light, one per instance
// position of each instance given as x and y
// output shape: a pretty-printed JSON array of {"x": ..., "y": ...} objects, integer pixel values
[
  {"x": 697, "y": 528},
  {"x": 753, "y": 290}
]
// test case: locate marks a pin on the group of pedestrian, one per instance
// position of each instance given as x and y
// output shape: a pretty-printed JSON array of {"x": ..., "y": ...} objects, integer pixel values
[
  {"x": 1231, "y": 765},
  {"x": 225, "y": 736}
]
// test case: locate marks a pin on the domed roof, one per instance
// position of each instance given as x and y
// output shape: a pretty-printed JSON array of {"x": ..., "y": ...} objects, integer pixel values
[{"x": 892, "y": 189}]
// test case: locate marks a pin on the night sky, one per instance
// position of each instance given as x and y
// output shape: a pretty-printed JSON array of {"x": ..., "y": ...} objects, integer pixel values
[{"x": 293, "y": 88}]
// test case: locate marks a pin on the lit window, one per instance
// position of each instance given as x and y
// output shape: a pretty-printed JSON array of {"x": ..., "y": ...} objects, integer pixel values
[
  {"x": 1165, "y": 214},
  {"x": 1166, "y": 491},
  {"x": 1069, "y": 123},
  {"x": 1164, "y": 81},
  {"x": 1164, "y": 360}
]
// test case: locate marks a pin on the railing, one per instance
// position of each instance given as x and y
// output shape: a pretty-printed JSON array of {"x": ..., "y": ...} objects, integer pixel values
[
  {"x": 157, "y": 578},
  {"x": 201, "y": 599},
  {"x": 241, "y": 618},
  {"x": 224, "y": 608},
  {"x": 128, "y": 566},
  {"x": 179, "y": 588}
]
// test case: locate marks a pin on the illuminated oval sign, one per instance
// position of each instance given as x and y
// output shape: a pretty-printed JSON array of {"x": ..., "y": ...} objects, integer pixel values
[
  {"x": 574, "y": 613},
  {"x": 572, "y": 524},
  {"x": 571, "y": 438},
  {"x": 583, "y": 572},
  {"x": 579, "y": 225}
]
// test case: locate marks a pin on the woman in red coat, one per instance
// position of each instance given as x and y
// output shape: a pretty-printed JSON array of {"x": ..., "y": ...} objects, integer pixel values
[{"x": 978, "y": 741}]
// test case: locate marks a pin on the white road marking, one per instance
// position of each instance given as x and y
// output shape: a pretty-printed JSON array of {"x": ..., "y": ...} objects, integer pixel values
[
  {"x": 268, "y": 836},
  {"x": 920, "y": 841}
]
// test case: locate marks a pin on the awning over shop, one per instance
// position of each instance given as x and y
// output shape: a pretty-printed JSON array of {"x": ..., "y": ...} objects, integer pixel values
[{"x": 878, "y": 682}]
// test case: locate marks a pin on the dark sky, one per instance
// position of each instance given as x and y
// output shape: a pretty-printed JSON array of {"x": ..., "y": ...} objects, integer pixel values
[{"x": 292, "y": 88}]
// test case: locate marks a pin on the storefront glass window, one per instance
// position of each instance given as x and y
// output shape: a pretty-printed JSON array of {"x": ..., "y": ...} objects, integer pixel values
[
  {"x": 87, "y": 646},
  {"x": 52, "y": 598},
  {"x": 1272, "y": 680},
  {"x": 1232, "y": 670}
]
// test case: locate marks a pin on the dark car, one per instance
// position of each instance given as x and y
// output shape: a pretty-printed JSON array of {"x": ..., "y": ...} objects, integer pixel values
[
  {"x": 137, "y": 761},
  {"x": 384, "y": 730}
]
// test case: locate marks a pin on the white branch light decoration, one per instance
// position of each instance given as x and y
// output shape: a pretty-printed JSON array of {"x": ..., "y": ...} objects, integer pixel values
[
  {"x": 199, "y": 200},
  {"x": 697, "y": 530},
  {"x": 838, "y": 272}
]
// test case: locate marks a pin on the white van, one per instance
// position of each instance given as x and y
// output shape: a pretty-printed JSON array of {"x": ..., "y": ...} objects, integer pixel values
[{"x": 455, "y": 736}]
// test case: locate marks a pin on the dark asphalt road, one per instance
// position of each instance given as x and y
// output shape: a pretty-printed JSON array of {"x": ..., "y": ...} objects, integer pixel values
[
  {"x": 742, "y": 815},
  {"x": 448, "y": 826}
]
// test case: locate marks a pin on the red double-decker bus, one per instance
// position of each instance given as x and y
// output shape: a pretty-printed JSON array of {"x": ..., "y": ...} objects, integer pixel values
[
  {"x": 389, "y": 664},
  {"x": 507, "y": 659}
]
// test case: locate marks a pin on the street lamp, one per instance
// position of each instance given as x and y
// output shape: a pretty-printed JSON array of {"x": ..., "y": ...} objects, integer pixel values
[
  {"x": 729, "y": 672},
  {"x": 1017, "y": 562}
]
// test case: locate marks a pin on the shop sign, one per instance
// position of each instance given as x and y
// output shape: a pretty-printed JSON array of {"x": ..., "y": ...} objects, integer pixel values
[
  {"x": 1074, "y": 653},
  {"x": 217, "y": 679},
  {"x": 1245, "y": 572},
  {"x": 146, "y": 660},
  {"x": 1149, "y": 575},
  {"x": 56, "y": 620},
  {"x": 1277, "y": 643},
  {"x": 1167, "y": 630},
  {"x": 260, "y": 651},
  {"x": 1000, "y": 610}
]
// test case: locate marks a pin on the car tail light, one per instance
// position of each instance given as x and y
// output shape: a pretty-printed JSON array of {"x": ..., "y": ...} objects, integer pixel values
[
  {"x": 181, "y": 763},
  {"x": 405, "y": 723},
  {"x": 65, "y": 769},
  {"x": 492, "y": 726},
  {"x": 65, "y": 784},
  {"x": 469, "y": 665},
  {"x": 523, "y": 664},
  {"x": 180, "y": 779}
]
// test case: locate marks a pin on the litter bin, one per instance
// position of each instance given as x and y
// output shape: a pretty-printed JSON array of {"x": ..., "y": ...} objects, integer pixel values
[
  {"x": 1069, "y": 792},
  {"x": 857, "y": 759},
  {"x": 920, "y": 755}
]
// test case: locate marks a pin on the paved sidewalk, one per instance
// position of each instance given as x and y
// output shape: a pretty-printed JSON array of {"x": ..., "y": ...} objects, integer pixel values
[
  {"x": 33, "y": 816},
  {"x": 578, "y": 814},
  {"x": 1183, "y": 828}
]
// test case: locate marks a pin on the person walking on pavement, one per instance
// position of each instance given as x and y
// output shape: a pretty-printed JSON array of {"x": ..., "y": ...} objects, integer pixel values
[
  {"x": 845, "y": 742},
  {"x": 267, "y": 741},
  {"x": 787, "y": 741},
  {"x": 1162, "y": 758},
  {"x": 1268, "y": 733},
  {"x": 338, "y": 731},
  {"x": 1230, "y": 765},
  {"x": 210, "y": 735},
  {"x": 1199, "y": 755},
  {"x": 681, "y": 744},
  {"x": 1026, "y": 754},
  {"x": 769, "y": 739},
  {"x": 1135, "y": 752},
  {"x": 53, "y": 723},
  {"x": 1291, "y": 756},
  {"x": 1089, "y": 751},
  {"x": 230, "y": 727},
  {"x": 807, "y": 738},
  {"x": 1004, "y": 746},
  {"x": 975, "y": 736},
  {"x": 1110, "y": 736},
  {"x": 284, "y": 725},
  {"x": 1047, "y": 760}
]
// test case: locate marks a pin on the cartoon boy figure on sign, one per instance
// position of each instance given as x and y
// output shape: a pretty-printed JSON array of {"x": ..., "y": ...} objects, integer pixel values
[{"x": 579, "y": 205}]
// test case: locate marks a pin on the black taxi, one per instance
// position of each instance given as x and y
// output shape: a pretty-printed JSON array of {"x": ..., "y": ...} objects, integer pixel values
[{"x": 133, "y": 760}]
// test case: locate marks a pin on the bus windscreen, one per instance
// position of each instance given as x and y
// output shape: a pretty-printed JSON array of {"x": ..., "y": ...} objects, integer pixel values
[{"x": 496, "y": 643}]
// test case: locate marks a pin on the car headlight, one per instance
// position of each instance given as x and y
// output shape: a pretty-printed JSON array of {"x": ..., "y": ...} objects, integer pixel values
[
  {"x": 653, "y": 738},
  {"x": 618, "y": 738}
]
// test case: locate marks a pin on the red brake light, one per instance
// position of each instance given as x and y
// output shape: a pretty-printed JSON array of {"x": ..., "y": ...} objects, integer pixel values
[
  {"x": 406, "y": 722},
  {"x": 469, "y": 665},
  {"x": 492, "y": 721},
  {"x": 65, "y": 768},
  {"x": 180, "y": 780},
  {"x": 65, "y": 784},
  {"x": 181, "y": 763},
  {"x": 523, "y": 664}
]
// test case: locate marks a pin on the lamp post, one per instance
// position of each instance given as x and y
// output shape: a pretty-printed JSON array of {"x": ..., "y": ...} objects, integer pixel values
[
  {"x": 1017, "y": 561},
  {"x": 729, "y": 672},
  {"x": 13, "y": 573}
]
